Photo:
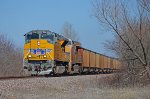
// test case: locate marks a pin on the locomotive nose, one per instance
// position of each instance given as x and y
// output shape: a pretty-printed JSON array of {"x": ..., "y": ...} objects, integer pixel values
[{"x": 40, "y": 49}]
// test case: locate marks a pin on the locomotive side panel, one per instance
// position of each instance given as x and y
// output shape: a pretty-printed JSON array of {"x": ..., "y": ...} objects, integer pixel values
[{"x": 59, "y": 54}]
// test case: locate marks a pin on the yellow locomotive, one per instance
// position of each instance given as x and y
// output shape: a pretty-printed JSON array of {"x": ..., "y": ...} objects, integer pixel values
[{"x": 46, "y": 53}]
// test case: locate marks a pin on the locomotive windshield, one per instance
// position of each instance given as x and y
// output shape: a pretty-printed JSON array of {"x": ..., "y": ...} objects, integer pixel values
[
  {"x": 48, "y": 36},
  {"x": 31, "y": 36}
]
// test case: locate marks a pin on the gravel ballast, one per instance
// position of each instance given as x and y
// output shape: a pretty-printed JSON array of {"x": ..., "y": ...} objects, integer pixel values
[
  {"x": 68, "y": 87},
  {"x": 49, "y": 88}
]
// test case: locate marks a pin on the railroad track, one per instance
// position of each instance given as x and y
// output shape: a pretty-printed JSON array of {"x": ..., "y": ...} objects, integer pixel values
[
  {"x": 23, "y": 77},
  {"x": 17, "y": 77}
]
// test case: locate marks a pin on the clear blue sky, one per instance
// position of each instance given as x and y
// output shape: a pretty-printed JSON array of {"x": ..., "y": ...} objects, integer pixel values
[{"x": 18, "y": 17}]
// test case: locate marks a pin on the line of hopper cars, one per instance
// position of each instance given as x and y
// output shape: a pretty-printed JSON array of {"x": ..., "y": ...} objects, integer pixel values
[
  {"x": 95, "y": 62},
  {"x": 47, "y": 53}
]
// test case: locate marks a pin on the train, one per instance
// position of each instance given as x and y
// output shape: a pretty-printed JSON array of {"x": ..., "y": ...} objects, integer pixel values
[{"x": 49, "y": 53}]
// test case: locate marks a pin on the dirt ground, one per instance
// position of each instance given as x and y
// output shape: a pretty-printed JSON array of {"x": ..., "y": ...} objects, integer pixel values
[{"x": 70, "y": 87}]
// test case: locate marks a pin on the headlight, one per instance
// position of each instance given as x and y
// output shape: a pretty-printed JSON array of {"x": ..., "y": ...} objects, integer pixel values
[
  {"x": 29, "y": 56},
  {"x": 44, "y": 56},
  {"x": 38, "y": 43}
]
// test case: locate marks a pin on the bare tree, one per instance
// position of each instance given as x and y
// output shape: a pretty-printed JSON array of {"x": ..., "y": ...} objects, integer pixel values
[
  {"x": 132, "y": 34},
  {"x": 69, "y": 32},
  {"x": 10, "y": 58},
  {"x": 145, "y": 4}
]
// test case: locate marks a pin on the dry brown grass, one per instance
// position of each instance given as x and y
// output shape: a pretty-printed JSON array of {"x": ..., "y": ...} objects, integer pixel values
[{"x": 127, "y": 93}]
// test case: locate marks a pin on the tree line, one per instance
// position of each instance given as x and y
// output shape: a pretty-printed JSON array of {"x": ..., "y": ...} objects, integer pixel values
[{"x": 132, "y": 33}]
